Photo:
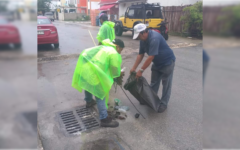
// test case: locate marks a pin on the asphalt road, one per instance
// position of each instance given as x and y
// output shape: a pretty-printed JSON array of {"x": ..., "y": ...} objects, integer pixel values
[
  {"x": 180, "y": 127},
  {"x": 221, "y": 98}
]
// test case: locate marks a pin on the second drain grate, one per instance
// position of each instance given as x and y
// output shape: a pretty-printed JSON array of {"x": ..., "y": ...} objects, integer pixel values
[{"x": 86, "y": 117}]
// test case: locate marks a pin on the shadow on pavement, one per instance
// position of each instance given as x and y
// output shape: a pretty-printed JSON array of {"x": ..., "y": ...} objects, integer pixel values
[
  {"x": 8, "y": 47},
  {"x": 46, "y": 47}
]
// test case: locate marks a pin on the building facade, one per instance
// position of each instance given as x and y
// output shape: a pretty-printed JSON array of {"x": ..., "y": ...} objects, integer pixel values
[
  {"x": 82, "y": 6},
  {"x": 111, "y": 8}
]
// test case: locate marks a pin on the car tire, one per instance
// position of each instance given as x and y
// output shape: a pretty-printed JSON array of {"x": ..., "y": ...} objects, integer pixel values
[
  {"x": 118, "y": 30},
  {"x": 56, "y": 45},
  {"x": 17, "y": 46},
  {"x": 132, "y": 32}
]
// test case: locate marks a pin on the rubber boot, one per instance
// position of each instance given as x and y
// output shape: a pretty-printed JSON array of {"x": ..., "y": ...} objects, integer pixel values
[
  {"x": 108, "y": 122},
  {"x": 90, "y": 104}
]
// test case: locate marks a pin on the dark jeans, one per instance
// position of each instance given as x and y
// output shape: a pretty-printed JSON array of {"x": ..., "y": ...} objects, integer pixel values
[{"x": 164, "y": 74}]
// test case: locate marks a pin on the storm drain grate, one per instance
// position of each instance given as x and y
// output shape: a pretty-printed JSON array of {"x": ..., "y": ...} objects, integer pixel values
[
  {"x": 86, "y": 117},
  {"x": 77, "y": 120},
  {"x": 70, "y": 122}
]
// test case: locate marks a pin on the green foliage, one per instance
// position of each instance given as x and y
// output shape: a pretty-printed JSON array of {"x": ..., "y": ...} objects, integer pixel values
[
  {"x": 43, "y": 5},
  {"x": 230, "y": 19},
  {"x": 87, "y": 18},
  {"x": 3, "y": 6},
  {"x": 71, "y": 5},
  {"x": 193, "y": 17}
]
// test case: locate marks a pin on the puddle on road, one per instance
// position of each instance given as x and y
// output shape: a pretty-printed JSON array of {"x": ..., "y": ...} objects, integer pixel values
[
  {"x": 31, "y": 118},
  {"x": 102, "y": 144}
]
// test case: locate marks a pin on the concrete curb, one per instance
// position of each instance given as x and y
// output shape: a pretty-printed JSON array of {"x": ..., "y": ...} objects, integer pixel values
[
  {"x": 40, "y": 147},
  {"x": 84, "y": 22},
  {"x": 58, "y": 57},
  {"x": 125, "y": 54}
]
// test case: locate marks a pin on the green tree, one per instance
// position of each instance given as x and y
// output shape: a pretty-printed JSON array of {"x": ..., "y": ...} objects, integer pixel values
[
  {"x": 71, "y": 5},
  {"x": 3, "y": 6},
  {"x": 193, "y": 17},
  {"x": 43, "y": 5},
  {"x": 230, "y": 20}
]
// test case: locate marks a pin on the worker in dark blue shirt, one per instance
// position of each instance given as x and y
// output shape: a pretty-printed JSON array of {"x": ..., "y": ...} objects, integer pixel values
[
  {"x": 163, "y": 60},
  {"x": 205, "y": 64}
]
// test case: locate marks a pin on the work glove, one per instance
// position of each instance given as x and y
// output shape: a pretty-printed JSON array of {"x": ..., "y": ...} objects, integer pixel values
[{"x": 119, "y": 80}]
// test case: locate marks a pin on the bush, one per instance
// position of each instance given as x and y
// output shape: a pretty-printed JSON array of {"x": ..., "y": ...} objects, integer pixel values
[
  {"x": 193, "y": 18},
  {"x": 230, "y": 20},
  {"x": 87, "y": 18}
]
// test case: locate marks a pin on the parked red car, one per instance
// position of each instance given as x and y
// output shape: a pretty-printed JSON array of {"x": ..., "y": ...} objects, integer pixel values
[
  {"x": 47, "y": 32},
  {"x": 9, "y": 34}
]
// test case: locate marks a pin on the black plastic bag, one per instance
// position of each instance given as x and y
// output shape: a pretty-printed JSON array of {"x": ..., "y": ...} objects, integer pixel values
[{"x": 142, "y": 91}]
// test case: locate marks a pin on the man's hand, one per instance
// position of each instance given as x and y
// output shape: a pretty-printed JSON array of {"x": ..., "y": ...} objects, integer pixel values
[
  {"x": 138, "y": 75},
  {"x": 137, "y": 62},
  {"x": 132, "y": 70},
  {"x": 122, "y": 74},
  {"x": 119, "y": 79}
]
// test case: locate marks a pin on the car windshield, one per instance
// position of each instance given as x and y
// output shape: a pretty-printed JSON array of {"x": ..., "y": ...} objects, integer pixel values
[
  {"x": 43, "y": 21},
  {"x": 3, "y": 21}
]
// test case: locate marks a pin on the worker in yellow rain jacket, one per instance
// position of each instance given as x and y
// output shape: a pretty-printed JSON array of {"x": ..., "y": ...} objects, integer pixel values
[
  {"x": 96, "y": 68},
  {"x": 107, "y": 29}
]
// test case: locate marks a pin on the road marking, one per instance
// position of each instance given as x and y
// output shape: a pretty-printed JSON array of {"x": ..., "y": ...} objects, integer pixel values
[{"x": 92, "y": 38}]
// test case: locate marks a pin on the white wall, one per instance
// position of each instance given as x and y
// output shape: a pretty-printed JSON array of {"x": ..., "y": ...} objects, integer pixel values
[
  {"x": 123, "y": 7},
  {"x": 174, "y": 2},
  {"x": 95, "y": 5},
  {"x": 61, "y": 16}
]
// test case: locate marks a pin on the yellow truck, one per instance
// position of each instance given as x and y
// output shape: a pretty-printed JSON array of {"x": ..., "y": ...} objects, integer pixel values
[{"x": 149, "y": 14}]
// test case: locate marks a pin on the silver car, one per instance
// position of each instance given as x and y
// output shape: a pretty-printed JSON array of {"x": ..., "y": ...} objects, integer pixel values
[{"x": 49, "y": 15}]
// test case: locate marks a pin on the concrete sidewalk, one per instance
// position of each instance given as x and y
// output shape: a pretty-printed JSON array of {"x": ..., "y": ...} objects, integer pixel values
[{"x": 179, "y": 127}]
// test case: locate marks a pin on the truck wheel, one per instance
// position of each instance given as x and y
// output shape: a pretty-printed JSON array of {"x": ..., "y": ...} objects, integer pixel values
[
  {"x": 166, "y": 37},
  {"x": 132, "y": 32},
  {"x": 118, "y": 30}
]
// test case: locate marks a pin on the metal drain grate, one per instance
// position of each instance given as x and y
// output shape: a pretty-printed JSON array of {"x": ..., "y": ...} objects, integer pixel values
[
  {"x": 70, "y": 122},
  {"x": 77, "y": 120},
  {"x": 88, "y": 120}
]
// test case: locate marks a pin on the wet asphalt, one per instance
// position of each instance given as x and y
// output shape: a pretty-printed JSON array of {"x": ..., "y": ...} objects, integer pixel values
[{"x": 180, "y": 127}]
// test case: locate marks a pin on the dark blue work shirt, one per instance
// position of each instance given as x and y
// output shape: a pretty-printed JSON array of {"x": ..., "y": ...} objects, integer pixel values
[
  {"x": 205, "y": 56},
  {"x": 156, "y": 46}
]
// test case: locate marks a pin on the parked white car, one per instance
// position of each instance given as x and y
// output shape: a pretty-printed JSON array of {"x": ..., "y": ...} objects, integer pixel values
[{"x": 49, "y": 15}]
